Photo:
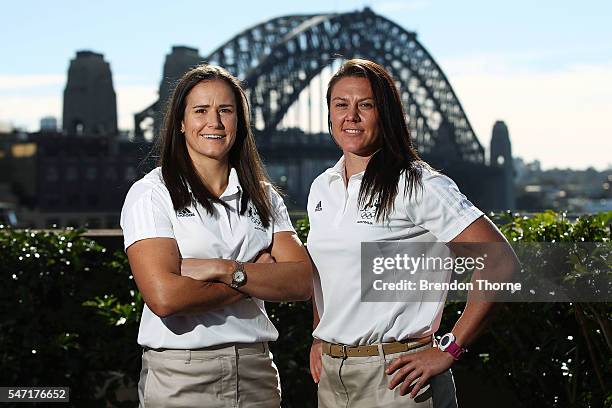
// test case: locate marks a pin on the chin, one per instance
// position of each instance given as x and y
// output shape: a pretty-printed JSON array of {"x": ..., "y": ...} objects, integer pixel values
[
  {"x": 213, "y": 154},
  {"x": 359, "y": 150}
]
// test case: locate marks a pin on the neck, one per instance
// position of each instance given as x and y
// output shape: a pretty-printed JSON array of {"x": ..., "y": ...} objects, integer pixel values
[
  {"x": 214, "y": 174},
  {"x": 354, "y": 164}
]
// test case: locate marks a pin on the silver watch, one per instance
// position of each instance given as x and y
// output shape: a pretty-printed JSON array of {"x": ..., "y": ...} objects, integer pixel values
[{"x": 239, "y": 277}]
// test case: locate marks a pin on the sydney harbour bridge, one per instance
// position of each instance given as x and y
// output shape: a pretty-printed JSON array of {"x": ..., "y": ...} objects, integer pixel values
[{"x": 285, "y": 63}]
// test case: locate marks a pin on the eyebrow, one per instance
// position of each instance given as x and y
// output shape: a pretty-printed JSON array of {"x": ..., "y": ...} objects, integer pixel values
[
  {"x": 227, "y": 105},
  {"x": 346, "y": 99}
]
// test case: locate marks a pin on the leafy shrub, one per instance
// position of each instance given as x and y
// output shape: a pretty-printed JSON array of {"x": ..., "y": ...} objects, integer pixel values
[
  {"x": 47, "y": 336},
  {"x": 77, "y": 306}
]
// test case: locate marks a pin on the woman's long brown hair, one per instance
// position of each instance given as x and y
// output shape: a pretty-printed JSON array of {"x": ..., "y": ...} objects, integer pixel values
[
  {"x": 397, "y": 154},
  {"x": 178, "y": 170}
]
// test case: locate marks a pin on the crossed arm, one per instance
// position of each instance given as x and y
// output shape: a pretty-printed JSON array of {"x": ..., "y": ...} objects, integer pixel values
[{"x": 161, "y": 276}]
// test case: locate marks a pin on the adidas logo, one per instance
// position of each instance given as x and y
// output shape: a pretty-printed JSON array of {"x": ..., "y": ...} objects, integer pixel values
[
  {"x": 184, "y": 213},
  {"x": 318, "y": 207}
]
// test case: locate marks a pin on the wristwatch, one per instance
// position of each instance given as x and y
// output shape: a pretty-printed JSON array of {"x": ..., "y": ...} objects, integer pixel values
[
  {"x": 447, "y": 343},
  {"x": 239, "y": 277}
]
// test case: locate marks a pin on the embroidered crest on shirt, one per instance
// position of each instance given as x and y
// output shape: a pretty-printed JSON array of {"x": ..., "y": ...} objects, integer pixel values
[
  {"x": 319, "y": 207},
  {"x": 253, "y": 215},
  {"x": 185, "y": 212},
  {"x": 367, "y": 214}
]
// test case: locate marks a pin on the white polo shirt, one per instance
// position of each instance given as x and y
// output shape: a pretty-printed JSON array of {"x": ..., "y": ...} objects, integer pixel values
[
  {"x": 148, "y": 213},
  {"x": 436, "y": 213}
]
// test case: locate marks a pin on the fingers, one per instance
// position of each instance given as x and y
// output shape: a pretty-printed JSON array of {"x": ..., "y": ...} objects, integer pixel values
[
  {"x": 409, "y": 383},
  {"x": 398, "y": 363},
  {"x": 315, "y": 370},
  {"x": 416, "y": 388},
  {"x": 420, "y": 383},
  {"x": 402, "y": 373},
  {"x": 315, "y": 362}
]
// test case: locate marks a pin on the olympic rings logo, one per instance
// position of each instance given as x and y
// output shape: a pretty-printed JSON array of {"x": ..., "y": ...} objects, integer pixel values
[{"x": 367, "y": 214}]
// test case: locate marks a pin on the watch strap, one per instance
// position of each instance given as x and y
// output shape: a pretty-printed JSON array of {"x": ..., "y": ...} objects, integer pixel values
[{"x": 455, "y": 350}]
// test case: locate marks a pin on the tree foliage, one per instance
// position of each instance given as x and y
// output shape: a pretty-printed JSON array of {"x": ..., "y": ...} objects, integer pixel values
[{"x": 70, "y": 313}]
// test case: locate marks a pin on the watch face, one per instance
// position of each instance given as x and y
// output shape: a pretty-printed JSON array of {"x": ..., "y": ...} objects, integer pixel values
[
  {"x": 445, "y": 341},
  {"x": 238, "y": 276}
]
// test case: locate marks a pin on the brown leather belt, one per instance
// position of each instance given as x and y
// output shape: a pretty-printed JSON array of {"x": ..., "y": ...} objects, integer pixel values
[{"x": 341, "y": 350}]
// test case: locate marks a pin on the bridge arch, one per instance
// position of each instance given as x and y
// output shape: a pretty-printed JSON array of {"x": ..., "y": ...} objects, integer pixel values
[{"x": 277, "y": 59}]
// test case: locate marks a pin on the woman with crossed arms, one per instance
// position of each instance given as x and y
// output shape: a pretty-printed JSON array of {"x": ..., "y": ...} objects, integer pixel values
[
  {"x": 372, "y": 354},
  {"x": 208, "y": 240}
]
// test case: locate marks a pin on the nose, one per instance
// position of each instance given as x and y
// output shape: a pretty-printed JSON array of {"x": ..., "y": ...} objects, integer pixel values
[
  {"x": 214, "y": 120},
  {"x": 352, "y": 115}
]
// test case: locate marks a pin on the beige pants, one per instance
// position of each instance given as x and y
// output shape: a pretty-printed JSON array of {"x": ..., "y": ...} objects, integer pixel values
[
  {"x": 240, "y": 376},
  {"x": 361, "y": 382}
]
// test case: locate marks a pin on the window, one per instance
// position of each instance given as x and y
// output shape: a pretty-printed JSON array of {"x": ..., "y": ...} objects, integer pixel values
[
  {"x": 92, "y": 173},
  {"x": 72, "y": 173},
  {"x": 51, "y": 174}
]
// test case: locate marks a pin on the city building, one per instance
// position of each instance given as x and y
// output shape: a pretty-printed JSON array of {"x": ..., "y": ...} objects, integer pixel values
[
  {"x": 48, "y": 124},
  {"x": 90, "y": 106}
]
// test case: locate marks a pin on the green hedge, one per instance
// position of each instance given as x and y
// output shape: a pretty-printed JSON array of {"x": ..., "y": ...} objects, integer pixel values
[{"x": 70, "y": 310}]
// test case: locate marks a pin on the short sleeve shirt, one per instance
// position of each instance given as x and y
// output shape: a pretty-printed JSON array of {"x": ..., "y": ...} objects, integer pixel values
[
  {"x": 436, "y": 213},
  {"x": 148, "y": 212}
]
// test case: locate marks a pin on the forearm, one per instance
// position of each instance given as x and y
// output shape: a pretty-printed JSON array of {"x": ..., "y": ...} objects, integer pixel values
[
  {"x": 275, "y": 282},
  {"x": 481, "y": 303},
  {"x": 500, "y": 265},
  {"x": 181, "y": 295},
  {"x": 472, "y": 321}
]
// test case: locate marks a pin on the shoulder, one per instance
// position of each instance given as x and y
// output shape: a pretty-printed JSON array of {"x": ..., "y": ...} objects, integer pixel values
[
  {"x": 432, "y": 182},
  {"x": 152, "y": 184},
  {"x": 270, "y": 190},
  {"x": 320, "y": 181}
]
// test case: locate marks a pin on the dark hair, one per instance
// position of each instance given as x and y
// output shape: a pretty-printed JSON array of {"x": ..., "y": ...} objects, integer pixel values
[
  {"x": 397, "y": 154},
  {"x": 178, "y": 170}
]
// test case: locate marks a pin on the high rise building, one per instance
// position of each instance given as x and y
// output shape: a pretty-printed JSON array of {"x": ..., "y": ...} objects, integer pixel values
[
  {"x": 90, "y": 106},
  {"x": 48, "y": 124},
  {"x": 501, "y": 157},
  {"x": 179, "y": 61}
]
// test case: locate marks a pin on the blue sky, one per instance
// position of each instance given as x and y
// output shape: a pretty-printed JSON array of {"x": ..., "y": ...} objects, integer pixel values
[{"x": 544, "y": 67}]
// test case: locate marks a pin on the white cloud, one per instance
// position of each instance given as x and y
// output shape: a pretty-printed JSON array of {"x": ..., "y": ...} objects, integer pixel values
[
  {"x": 21, "y": 82},
  {"x": 25, "y": 111},
  {"x": 25, "y": 100},
  {"x": 559, "y": 117},
  {"x": 132, "y": 99}
]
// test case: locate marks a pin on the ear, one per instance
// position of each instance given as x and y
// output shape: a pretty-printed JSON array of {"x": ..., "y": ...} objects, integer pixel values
[{"x": 182, "y": 126}]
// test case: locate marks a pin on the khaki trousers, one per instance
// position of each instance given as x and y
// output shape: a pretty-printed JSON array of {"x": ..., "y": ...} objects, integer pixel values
[
  {"x": 361, "y": 382},
  {"x": 237, "y": 376}
]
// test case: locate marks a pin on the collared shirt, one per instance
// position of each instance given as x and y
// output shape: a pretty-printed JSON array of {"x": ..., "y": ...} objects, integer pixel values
[
  {"x": 148, "y": 213},
  {"x": 338, "y": 225}
]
